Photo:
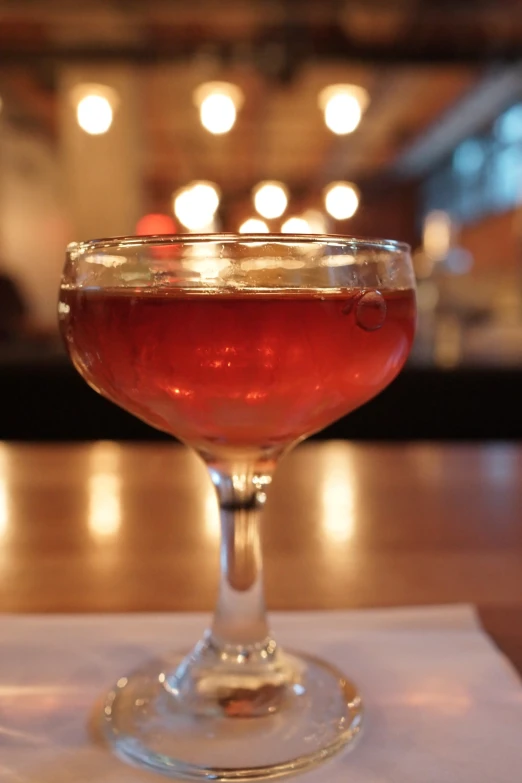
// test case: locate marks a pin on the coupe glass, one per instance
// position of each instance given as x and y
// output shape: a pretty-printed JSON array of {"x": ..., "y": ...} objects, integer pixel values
[{"x": 240, "y": 346}]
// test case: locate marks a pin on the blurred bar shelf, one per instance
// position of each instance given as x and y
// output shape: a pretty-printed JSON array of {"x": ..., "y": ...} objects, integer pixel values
[{"x": 44, "y": 399}]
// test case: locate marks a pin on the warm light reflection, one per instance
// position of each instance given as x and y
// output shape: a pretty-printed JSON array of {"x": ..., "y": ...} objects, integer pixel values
[
  {"x": 206, "y": 268},
  {"x": 104, "y": 504},
  {"x": 427, "y": 462},
  {"x": 252, "y": 264},
  {"x": 27, "y": 737},
  {"x": 105, "y": 259},
  {"x": 338, "y": 495},
  {"x": 500, "y": 463},
  {"x": 39, "y": 702},
  {"x": 212, "y": 523},
  {"x": 104, "y": 510},
  {"x": 440, "y": 696},
  {"x": 4, "y": 507},
  {"x": 8, "y": 691},
  {"x": 343, "y": 259}
]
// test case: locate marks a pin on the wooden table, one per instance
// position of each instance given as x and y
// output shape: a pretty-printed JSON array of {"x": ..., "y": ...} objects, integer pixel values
[{"x": 112, "y": 528}]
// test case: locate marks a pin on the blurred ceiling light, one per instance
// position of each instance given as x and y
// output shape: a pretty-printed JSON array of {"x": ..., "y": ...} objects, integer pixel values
[
  {"x": 341, "y": 200},
  {"x": 437, "y": 235},
  {"x": 270, "y": 199},
  {"x": 218, "y": 104},
  {"x": 155, "y": 224},
  {"x": 253, "y": 226},
  {"x": 343, "y": 106},
  {"x": 508, "y": 127},
  {"x": 208, "y": 196},
  {"x": 296, "y": 225},
  {"x": 94, "y": 115},
  {"x": 469, "y": 157},
  {"x": 95, "y": 105},
  {"x": 459, "y": 261},
  {"x": 316, "y": 220},
  {"x": 196, "y": 205}
]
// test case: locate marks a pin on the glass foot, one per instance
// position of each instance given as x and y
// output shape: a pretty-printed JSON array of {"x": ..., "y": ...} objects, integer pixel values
[{"x": 147, "y": 725}]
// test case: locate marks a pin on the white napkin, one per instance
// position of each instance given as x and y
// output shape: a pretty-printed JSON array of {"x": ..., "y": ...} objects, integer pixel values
[{"x": 442, "y": 704}]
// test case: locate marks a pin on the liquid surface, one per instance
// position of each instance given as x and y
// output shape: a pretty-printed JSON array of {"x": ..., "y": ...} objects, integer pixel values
[{"x": 238, "y": 369}]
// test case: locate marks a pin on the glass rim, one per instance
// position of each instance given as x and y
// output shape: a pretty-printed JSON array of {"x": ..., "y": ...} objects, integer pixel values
[{"x": 339, "y": 240}]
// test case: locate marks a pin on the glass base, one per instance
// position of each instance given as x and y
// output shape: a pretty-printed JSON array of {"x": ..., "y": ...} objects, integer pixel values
[{"x": 149, "y": 726}]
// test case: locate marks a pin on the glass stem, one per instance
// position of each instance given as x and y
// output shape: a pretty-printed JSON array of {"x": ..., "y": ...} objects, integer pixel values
[
  {"x": 237, "y": 668},
  {"x": 240, "y": 616}
]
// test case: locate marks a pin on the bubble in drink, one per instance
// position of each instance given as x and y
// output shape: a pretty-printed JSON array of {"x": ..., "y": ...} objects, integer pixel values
[{"x": 370, "y": 310}]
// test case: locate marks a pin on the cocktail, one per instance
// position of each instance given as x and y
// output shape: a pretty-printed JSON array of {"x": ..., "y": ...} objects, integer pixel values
[{"x": 239, "y": 346}]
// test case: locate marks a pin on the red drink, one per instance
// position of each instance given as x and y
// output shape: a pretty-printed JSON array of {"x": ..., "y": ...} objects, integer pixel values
[{"x": 254, "y": 368}]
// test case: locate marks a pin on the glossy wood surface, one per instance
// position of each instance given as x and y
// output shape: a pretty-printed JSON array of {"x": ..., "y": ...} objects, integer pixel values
[{"x": 109, "y": 528}]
